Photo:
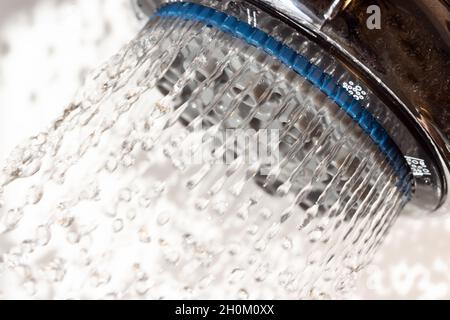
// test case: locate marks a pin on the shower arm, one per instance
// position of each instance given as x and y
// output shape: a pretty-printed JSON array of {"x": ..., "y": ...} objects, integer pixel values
[{"x": 406, "y": 63}]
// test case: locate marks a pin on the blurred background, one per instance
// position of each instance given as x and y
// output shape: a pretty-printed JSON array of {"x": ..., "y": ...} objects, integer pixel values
[{"x": 48, "y": 46}]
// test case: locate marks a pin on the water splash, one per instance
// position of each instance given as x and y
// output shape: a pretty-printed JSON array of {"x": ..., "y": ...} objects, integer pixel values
[{"x": 107, "y": 202}]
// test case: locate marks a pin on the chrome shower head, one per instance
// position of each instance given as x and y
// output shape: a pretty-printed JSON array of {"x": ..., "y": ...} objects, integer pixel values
[{"x": 394, "y": 81}]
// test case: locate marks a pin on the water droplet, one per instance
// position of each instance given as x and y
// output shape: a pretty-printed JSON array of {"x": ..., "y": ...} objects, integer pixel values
[
  {"x": 13, "y": 217},
  {"x": 111, "y": 164},
  {"x": 286, "y": 243},
  {"x": 144, "y": 201},
  {"x": 261, "y": 244},
  {"x": 125, "y": 195},
  {"x": 139, "y": 273},
  {"x": 43, "y": 235},
  {"x": 85, "y": 258},
  {"x": 142, "y": 287},
  {"x": 242, "y": 294},
  {"x": 99, "y": 279},
  {"x": 315, "y": 235},
  {"x": 30, "y": 287},
  {"x": 147, "y": 146},
  {"x": 144, "y": 236},
  {"x": 201, "y": 203},
  {"x": 205, "y": 282},
  {"x": 64, "y": 218},
  {"x": 128, "y": 161},
  {"x": 28, "y": 246},
  {"x": 90, "y": 192},
  {"x": 171, "y": 256},
  {"x": 243, "y": 213},
  {"x": 73, "y": 237},
  {"x": 285, "y": 278},
  {"x": 237, "y": 188},
  {"x": 159, "y": 188},
  {"x": 110, "y": 211},
  {"x": 236, "y": 276},
  {"x": 220, "y": 207},
  {"x": 34, "y": 195},
  {"x": 234, "y": 249},
  {"x": 262, "y": 272},
  {"x": 266, "y": 213},
  {"x": 131, "y": 214},
  {"x": 117, "y": 225},
  {"x": 55, "y": 270},
  {"x": 40, "y": 139},
  {"x": 163, "y": 218},
  {"x": 253, "y": 229},
  {"x": 112, "y": 296},
  {"x": 273, "y": 231},
  {"x": 31, "y": 168}
]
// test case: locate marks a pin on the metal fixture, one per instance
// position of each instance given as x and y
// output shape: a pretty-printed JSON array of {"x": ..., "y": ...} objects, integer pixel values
[{"x": 404, "y": 69}]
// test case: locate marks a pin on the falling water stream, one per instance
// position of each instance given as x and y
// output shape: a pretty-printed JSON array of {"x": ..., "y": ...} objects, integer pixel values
[{"x": 108, "y": 202}]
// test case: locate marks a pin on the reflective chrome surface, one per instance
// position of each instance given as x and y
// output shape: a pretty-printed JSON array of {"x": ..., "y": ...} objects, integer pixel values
[
  {"x": 406, "y": 62},
  {"x": 408, "y": 58}
]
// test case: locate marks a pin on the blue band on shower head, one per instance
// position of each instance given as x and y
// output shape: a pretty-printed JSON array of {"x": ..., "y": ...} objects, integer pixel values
[{"x": 300, "y": 64}]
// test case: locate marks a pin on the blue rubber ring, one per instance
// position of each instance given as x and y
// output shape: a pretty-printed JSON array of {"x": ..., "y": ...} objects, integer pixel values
[{"x": 300, "y": 64}]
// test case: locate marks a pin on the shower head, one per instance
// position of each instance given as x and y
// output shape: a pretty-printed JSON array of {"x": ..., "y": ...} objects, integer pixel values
[
  {"x": 251, "y": 149},
  {"x": 393, "y": 80}
]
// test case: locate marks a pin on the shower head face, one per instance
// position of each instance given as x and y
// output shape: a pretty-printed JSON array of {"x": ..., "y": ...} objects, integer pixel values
[
  {"x": 407, "y": 62},
  {"x": 118, "y": 182},
  {"x": 323, "y": 200},
  {"x": 317, "y": 23}
]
